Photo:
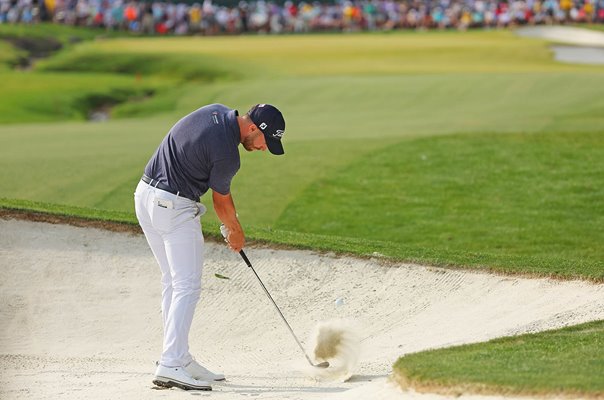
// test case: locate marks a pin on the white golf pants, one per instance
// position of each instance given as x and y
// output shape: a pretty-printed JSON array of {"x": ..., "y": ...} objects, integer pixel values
[{"x": 172, "y": 228}]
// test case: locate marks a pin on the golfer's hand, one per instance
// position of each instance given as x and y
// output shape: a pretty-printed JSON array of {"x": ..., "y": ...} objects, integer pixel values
[{"x": 236, "y": 240}]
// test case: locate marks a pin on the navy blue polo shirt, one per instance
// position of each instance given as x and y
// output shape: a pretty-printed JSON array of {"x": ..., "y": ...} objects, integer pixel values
[{"x": 199, "y": 153}]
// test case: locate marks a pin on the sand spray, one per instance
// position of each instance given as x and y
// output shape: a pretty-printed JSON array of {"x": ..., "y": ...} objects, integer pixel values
[{"x": 338, "y": 342}]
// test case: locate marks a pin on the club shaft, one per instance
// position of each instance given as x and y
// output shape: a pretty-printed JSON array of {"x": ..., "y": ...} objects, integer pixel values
[{"x": 249, "y": 264}]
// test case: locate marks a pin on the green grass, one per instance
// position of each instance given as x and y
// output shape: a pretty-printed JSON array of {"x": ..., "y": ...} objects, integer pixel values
[
  {"x": 408, "y": 72},
  {"x": 57, "y": 97},
  {"x": 32, "y": 96},
  {"x": 536, "y": 197},
  {"x": 568, "y": 361},
  {"x": 8, "y": 55},
  {"x": 340, "y": 55},
  {"x": 43, "y": 38},
  {"x": 380, "y": 107},
  {"x": 63, "y": 33},
  {"x": 94, "y": 214},
  {"x": 180, "y": 67}
]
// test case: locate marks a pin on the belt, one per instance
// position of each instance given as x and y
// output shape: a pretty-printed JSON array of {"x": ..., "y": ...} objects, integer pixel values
[{"x": 161, "y": 186}]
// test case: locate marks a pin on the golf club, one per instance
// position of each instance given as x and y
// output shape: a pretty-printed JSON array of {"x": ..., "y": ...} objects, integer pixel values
[{"x": 324, "y": 364}]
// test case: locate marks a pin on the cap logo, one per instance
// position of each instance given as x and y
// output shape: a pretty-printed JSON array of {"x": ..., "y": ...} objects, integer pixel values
[
  {"x": 278, "y": 134},
  {"x": 263, "y": 125}
]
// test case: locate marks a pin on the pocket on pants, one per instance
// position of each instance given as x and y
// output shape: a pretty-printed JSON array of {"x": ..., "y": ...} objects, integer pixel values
[
  {"x": 201, "y": 209},
  {"x": 162, "y": 214}
]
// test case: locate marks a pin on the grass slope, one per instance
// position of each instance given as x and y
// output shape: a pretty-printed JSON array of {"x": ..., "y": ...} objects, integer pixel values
[
  {"x": 379, "y": 107},
  {"x": 34, "y": 96},
  {"x": 178, "y": 59},
  {"x": 533, "y": 197},
  {"x": 347, "y": 55},
  {"x": 568, "y": 361},
  {"x": 8, "y": 55},
  {"x": 63, "y": 33},
  {"x": 56, "y": 97}
]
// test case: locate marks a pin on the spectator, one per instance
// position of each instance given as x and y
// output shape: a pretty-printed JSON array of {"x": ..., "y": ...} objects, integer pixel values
[{"x": 261, "y": 16}]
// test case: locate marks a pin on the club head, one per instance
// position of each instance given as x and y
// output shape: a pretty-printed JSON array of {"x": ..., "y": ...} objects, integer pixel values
[{"x": 324, "y": 364}]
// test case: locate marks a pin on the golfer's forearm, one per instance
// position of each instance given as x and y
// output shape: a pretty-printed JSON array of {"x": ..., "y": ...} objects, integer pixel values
[{"x": 225, "y": 210}]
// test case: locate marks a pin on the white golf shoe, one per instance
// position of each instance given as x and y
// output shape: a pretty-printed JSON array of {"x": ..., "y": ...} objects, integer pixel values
[
  {"x": 178, "y": 377},
  {"x": 199, "y": 372}
]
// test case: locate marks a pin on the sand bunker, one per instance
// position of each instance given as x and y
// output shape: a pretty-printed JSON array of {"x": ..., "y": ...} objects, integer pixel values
[
  {"x": 587, "y": 47},
  {"x": 80, "y": 316},
  {"x": 579, "y": 55},
  {"x": 564, "y": 34}
]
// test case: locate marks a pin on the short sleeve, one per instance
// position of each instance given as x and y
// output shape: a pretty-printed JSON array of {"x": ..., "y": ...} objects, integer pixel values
[{"x": 222, "y": 174}]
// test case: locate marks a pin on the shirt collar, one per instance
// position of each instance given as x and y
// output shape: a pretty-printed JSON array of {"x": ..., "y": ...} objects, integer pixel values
[{"x": 233, "y": 126}]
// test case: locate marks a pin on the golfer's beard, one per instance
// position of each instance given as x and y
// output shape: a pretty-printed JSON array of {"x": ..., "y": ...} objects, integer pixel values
[{"x": 248, "y": 143}]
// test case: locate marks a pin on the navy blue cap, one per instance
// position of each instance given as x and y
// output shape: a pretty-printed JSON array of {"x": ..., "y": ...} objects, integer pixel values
[{"x": 270, "y": 121}]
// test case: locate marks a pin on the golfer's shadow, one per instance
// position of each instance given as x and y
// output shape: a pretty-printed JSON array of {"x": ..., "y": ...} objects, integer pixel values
[
  {"x": 365, "y": 378},
  {"x": 257, "y": 390}
]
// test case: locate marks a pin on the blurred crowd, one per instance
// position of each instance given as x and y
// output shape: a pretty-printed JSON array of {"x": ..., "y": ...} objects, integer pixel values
[{"x": 208, "y": 18}]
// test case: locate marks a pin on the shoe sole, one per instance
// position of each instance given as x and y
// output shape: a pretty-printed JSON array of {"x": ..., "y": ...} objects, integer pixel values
[
  {"x": 203, "y": 378},
  {"x": 170, "y": 383}
]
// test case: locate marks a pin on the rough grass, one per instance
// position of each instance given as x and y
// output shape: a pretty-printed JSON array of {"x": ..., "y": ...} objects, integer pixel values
[
  {"x": 64, "y": 33},
  {"x": 8, "y": 55},
  {"x": 31, "y": 96},
  {"x": 568, "y": 362},
  {"x": 181, "y": 67},
  {"x": 56, "y": 97}
]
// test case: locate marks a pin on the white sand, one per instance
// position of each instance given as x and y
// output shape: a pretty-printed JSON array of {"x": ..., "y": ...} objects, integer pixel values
[
  {"x": 80, "y": 316},
  {"x": 579, "y": 55},
  {"x": 564, "y": 34}
]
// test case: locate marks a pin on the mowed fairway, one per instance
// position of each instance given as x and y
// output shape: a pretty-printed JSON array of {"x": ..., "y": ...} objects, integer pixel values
[{"x": 516, "y": 184}]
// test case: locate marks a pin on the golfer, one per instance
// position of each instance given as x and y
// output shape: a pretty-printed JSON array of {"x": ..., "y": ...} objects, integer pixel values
[{"x": 199, "y": 153}]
